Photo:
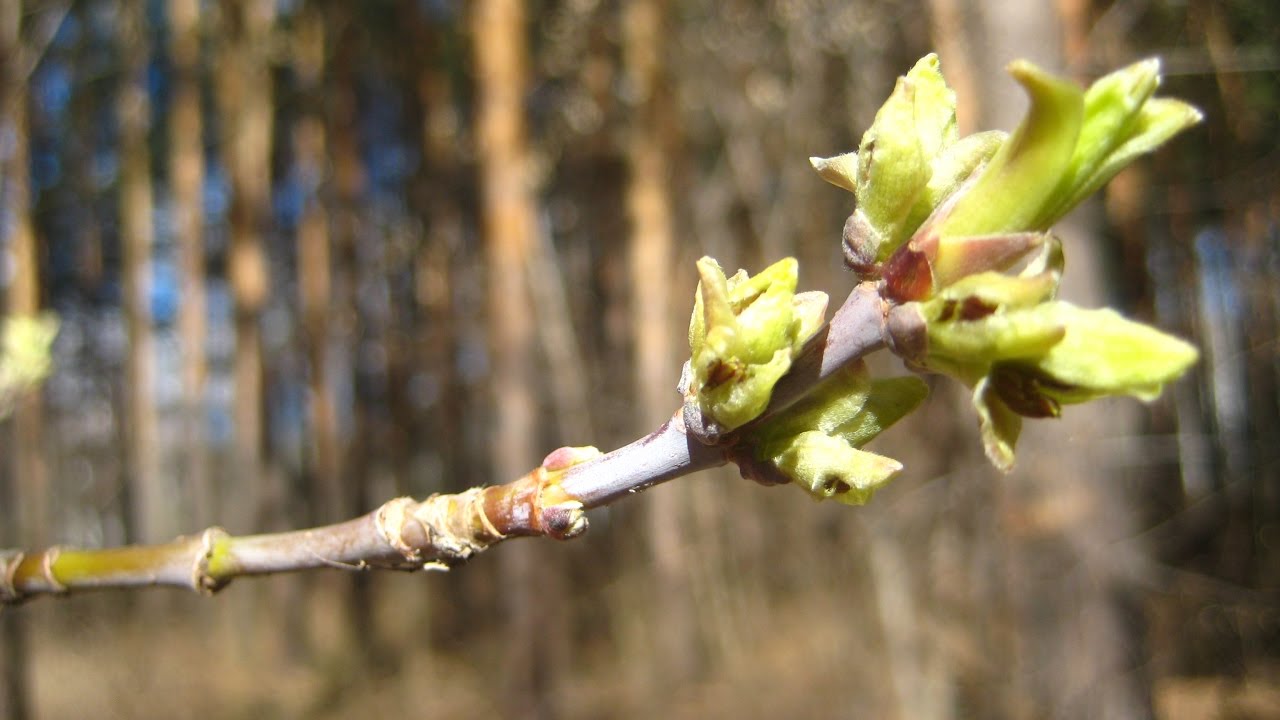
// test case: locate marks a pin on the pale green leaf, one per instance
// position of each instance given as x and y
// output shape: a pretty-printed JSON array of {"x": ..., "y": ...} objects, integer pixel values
[
  {"x": 1024, "y": 173},
  {"x": 1104, "y": 353}
]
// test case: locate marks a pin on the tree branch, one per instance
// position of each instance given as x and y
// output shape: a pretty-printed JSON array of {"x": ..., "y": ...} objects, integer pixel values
[{"x": 444, "y": 530}]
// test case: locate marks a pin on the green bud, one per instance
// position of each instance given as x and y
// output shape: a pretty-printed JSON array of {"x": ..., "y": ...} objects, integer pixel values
[
  {"x": 743, "y": 335},
  {"x": 892, "y": 169},
  {"x": 815, "y": 443},
  {"x": 980, "y": 203},
  {"x": 895, "y": 154},
  {"x": 828, "y": 468}
]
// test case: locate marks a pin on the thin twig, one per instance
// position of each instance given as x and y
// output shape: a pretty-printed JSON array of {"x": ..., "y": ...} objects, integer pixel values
[{"x": 443, "y": 530}]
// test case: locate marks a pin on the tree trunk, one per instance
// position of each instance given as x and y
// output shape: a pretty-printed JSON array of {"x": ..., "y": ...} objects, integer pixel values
[
  {"x": 30, "y": 475},
  {"x": 342, "y": 140},
  {"x": 153, "y": 497},
  {"x": 23, "y": 481},
  {"x": 314, "y": 278},
  {"x": 244, "y": 96},
  {"x": 1063, "y": 506},
  {"x": 186, "y": 177},
  {"x": 651, "y": 260},
  {"x": 442, "y": 264},
  {"x": 508, "y": 214}
]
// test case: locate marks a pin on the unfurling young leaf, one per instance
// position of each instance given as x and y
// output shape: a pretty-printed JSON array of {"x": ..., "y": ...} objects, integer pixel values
[
  {"x": 1026, "y": 358},
  {"x": 1023, "y": 175}
]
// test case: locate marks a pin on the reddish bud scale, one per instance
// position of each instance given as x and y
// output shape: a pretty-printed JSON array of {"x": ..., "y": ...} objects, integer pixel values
[{"x": 907, "y": 274}]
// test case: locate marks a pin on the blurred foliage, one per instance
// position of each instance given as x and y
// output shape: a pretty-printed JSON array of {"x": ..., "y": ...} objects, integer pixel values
[{"x": 24, "y": 356}]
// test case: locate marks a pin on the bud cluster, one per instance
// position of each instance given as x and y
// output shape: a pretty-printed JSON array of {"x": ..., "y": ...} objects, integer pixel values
[{"x": 955, "y": 233}]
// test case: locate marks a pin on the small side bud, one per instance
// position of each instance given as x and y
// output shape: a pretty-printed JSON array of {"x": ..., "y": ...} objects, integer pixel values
[
  {"x": 906, "y": 333},
  {"x": 565, "y": 520},
  {"x": 860, "y": 244},
  {"x": 566, "y": 457}
]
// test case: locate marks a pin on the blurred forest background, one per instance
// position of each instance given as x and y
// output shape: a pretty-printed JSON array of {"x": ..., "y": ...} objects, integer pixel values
[{"x": 311, "y": 255}]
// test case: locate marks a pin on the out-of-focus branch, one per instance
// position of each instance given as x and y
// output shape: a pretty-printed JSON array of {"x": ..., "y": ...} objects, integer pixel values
[{"x": 443, "y": 530}]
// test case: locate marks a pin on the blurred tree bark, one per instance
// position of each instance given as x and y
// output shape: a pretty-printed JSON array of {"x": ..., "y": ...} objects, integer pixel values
[
  {"x": 152, "y": 495},
  {"x": 22, "y": 297},
  {"x": 23, "y": 480},
  {"x": 948, "y": 23},
  {"x": 651, "y": 264},
  {"x": 439, "y": 265},
  {"x": 186, "y": 177},
  {"x": 244, "y": 90},
  {"x": 1070, "y": 635},
  {"x": 315, "y": 285},
  {"x": 319, "y": 497},
  {"x": 508, "y": 219},
  {"x": 347, "y": 226},
  {"x": 441, "y": 256}
]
